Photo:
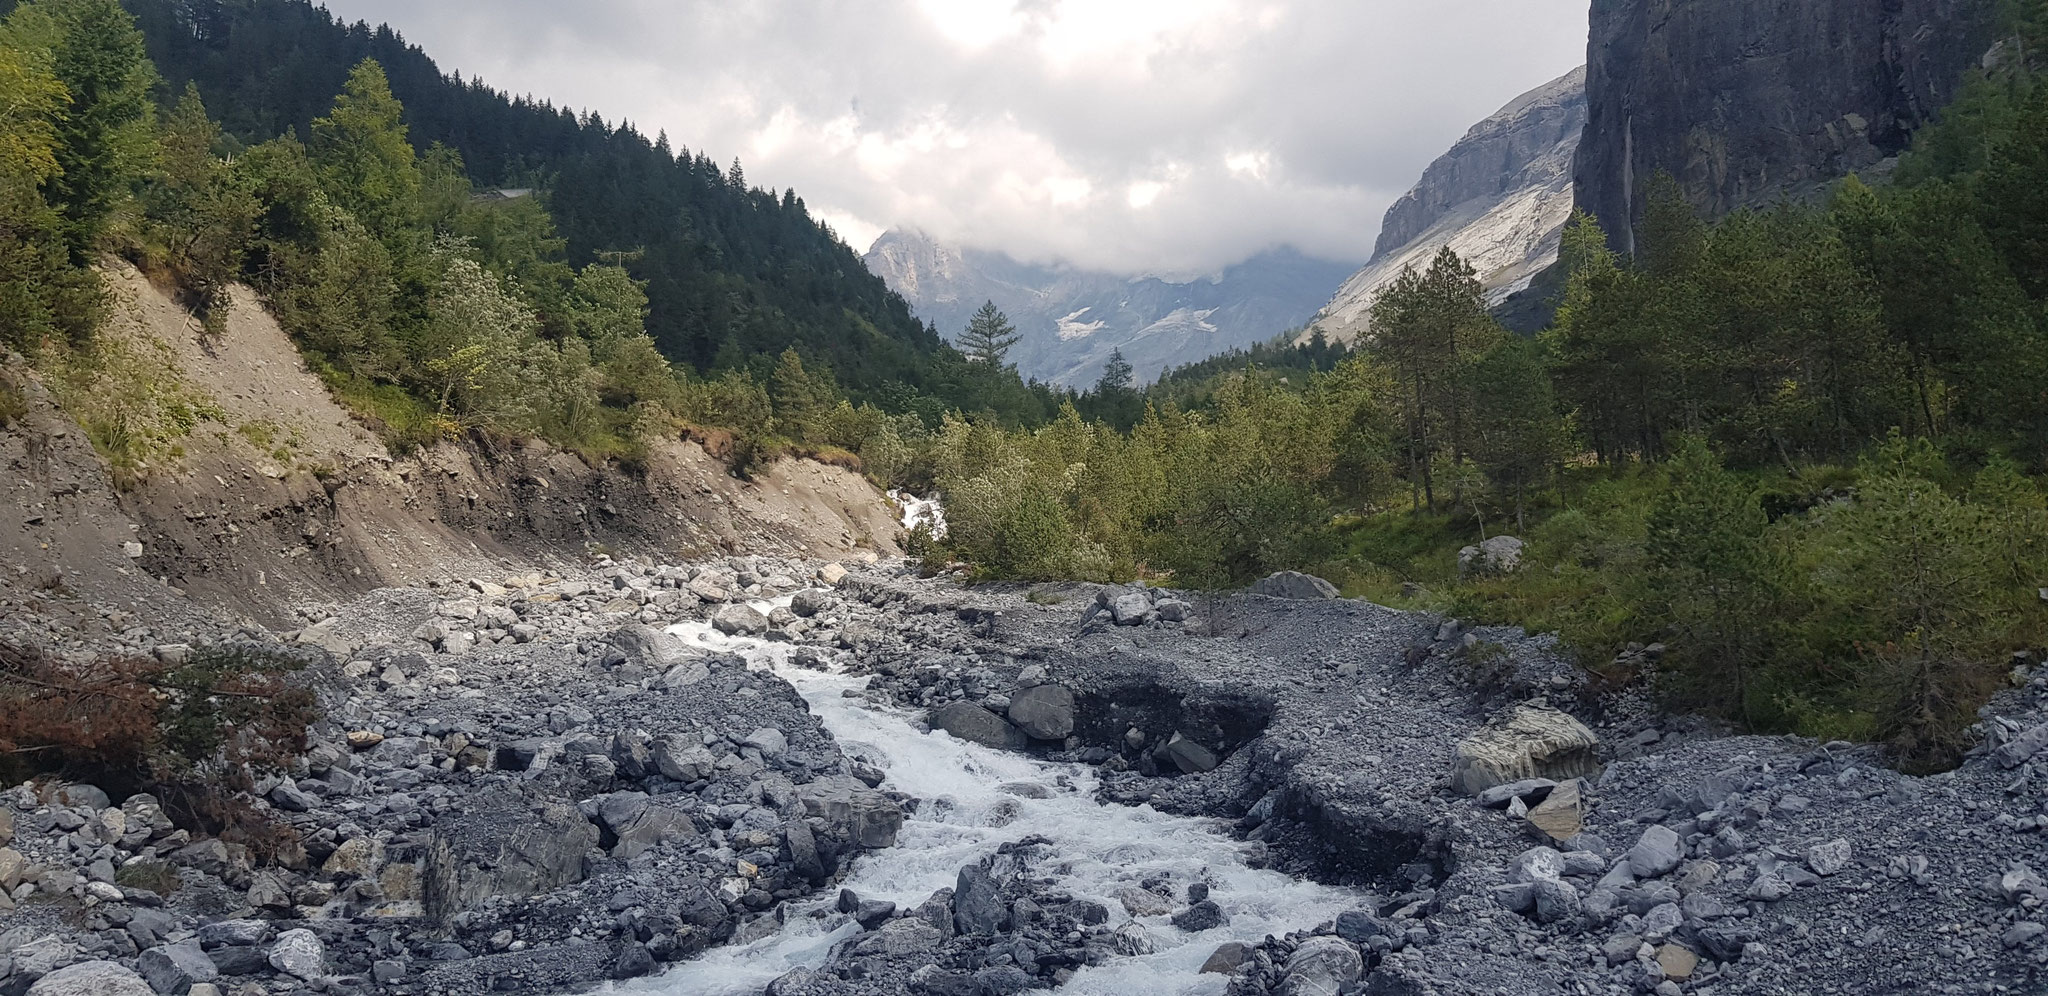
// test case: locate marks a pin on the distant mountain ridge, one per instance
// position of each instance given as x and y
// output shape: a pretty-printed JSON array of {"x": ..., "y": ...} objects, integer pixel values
[
  {"x": 1500, "y": 198},
  {"x": 1071, "y": 319}
]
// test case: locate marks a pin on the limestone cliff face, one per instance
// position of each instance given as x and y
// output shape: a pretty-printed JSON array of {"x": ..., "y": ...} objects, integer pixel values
[
  {"x": 1499, "y": 198},
  {"x": 1747, "y": 101}
]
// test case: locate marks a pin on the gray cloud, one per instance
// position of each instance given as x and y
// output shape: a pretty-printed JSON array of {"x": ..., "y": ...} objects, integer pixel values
[{"x": 1155, "y": 136}]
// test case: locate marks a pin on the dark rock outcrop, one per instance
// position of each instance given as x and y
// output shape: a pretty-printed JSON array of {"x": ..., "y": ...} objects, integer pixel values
[{"x": 1746, "y": 101}]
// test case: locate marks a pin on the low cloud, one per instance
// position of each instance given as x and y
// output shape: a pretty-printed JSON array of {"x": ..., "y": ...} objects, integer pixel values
[{"x": 1139, "y": 136}]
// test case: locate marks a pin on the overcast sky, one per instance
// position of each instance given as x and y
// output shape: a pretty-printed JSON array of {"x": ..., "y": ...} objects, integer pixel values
[{"x": 1139, "y": 136}]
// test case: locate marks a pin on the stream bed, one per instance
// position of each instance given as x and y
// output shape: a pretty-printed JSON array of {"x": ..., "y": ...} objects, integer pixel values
[{"x": 971, "y": 801}]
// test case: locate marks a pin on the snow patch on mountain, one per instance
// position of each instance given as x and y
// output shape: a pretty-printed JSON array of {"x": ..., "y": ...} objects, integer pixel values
[
  {"x": 1071, "y": 326},
  {"x": 1070, "y": 320}
]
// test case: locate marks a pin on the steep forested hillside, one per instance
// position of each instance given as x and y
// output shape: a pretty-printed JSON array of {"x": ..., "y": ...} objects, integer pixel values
[{"x": 727, "y": 267}]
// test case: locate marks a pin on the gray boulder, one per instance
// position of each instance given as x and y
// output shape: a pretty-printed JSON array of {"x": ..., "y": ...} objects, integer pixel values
[
  {"x": 326, "y": 634},
  {"x": 1131, "y": 609},
  {"x": 683, "y": 675},
  {"x": 1498, "y": 555},
  {"x": 682, "y": 760},
  {"x": 1204, "y": 915},
  {"x": 1189, "y": 756},
  {"x": 1132, "y": 940},
  {"x": 503, "y": 845},
  {"x": 1829, "y": 858},
  {"x": 642, "y": 827},
  {"x": 1044, "y": 711},
  {"x": 225, "y": 932},
  {"x": 1554, "y": 901},
  {"x": 299, "y": 953},
  {"x": 810, "y": 602},
  {"x": 870, "y": 818},
  {"x": 82, "y": 796},
  {"x": 901, "y": 938},
  {"x": 1527, "y": 742},
  {"x": 92, "y": 978},
  {"x": 43, "y": 955},
  {"x": 1295, "y": 585},
  {"x": 1530, "y": 790},
  {"x": 2022, "y": 748},
  {"x": 292, "y": 799},
  {"x": 173, "y": 968},
  {"x": 972, "y": 723},
  {"x": 1322, "y": 966},
  {"x": 649, "y": 647},
  {"x": 1225, "y": 959},
  {"x": 740, "y": 619},
  {"x": 1657, "y": 853},
  {"x": 768, "y": 740},
  {"x": 978, "y": 906}
]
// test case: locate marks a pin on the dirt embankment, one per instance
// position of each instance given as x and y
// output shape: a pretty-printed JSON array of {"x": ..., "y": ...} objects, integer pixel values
[{"x": 278, "y": 498}]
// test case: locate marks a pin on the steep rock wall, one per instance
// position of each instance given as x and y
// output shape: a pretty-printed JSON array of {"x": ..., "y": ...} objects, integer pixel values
[{"x": 1747, "y": 101}]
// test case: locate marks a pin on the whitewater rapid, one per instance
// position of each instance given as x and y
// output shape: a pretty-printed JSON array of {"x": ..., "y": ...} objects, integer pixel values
[{"x": 967, "y": 808}]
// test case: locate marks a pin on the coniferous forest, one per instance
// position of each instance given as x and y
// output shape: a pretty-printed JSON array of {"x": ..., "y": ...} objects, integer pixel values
[{"x": 1799, "y": 449}]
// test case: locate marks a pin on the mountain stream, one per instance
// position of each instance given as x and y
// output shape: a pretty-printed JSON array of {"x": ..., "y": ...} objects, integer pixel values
[{"x": 967, "y": 808}]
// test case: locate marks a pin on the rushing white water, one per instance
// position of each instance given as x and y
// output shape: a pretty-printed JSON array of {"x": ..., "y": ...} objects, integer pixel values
[
  {"x": 920, "y": 512},
  {"x": 966, "y": 812}
]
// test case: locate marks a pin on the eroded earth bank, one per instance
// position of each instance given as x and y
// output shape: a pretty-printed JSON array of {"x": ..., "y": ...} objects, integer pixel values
[{"x": 767, "y": 775}]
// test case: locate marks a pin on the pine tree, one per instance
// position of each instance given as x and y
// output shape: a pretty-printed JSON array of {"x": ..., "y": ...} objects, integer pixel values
[
  {"x": 1518, "y": 438},
  {"x": 40, "y": 292},
  {"x": 2014, "y": 196},
  {"x": 1610, "y": 351},
  {"x": 1717, "y": 578},
  {"x": 609, "y": 307},
  {"x": 800, "y": 400},
  {"x": 988, "y": 337},
  {"x": 197, "y": 211},
  {"x": 1920, "y": 569},
  {"x": 2017, "y": 519},
  {"x": 1428, "y": 326}
]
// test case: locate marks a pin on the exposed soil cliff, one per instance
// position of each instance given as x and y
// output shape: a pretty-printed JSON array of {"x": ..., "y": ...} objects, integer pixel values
[{"x": 278, "y": 498}]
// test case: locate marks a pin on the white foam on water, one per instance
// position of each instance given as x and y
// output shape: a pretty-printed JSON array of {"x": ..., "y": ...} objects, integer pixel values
[
  {"x": 920, "y": 511},
  {"x": 965, "y": 814}
]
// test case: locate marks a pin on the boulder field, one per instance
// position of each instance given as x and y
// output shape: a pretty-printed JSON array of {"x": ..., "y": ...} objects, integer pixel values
[{"x": 526, "y": 784}]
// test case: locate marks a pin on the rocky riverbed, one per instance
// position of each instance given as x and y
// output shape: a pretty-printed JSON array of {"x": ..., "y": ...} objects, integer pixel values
[{"x": 718, "y": 778}]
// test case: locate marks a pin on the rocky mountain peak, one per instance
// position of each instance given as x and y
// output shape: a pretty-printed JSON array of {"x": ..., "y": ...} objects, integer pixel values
[
  {"x": 1499, "y": 155},
  {"x": 1500, "y": 197}
]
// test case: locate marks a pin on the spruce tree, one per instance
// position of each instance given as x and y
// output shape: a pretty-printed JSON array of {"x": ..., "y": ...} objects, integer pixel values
[
  {"x": 366, "y": 164},
  {"x": 1116, "y": 375},
  {"x": 104, "y": 137},
  {"x": 988, "y": 337}
]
